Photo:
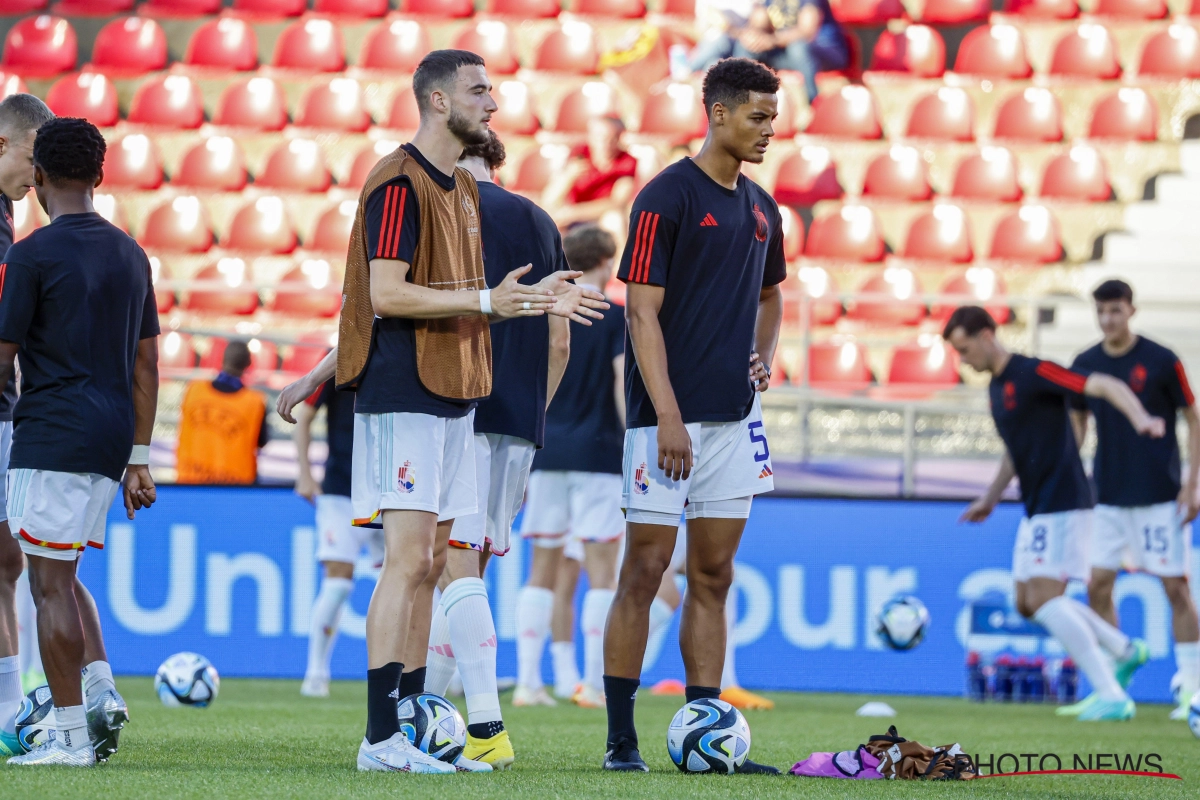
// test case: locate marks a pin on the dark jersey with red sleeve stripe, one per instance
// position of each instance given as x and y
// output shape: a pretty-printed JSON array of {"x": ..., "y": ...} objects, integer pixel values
[
  {"x": 8, "y": 398},
  {"x": 713, "y": 250},
  {"x": 1030, "y": 402},
  {"x": 1133, "y": 470}
]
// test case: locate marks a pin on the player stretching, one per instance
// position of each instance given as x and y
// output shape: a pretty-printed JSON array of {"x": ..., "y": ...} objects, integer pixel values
[
  {"x": 703, "y": 264},
  {"x": 1143, "y": 509},
  {"x": 20, "y": 117},
  {"x": 77, "y": 305},
  {"x": 1030, "y": 400}
]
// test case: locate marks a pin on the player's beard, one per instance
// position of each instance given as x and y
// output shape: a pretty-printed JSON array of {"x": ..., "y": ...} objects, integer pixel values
[{"x": 464, "y": 131}]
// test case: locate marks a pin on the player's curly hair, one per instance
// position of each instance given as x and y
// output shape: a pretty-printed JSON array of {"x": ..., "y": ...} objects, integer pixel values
[
  {"x": 588, "y": 246},
  {"x": 731, "y": 80},
  {"x": 492, "y": 151},
  {"x": 69, "y": 149}
]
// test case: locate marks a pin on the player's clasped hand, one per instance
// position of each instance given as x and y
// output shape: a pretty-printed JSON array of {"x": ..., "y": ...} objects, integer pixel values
[
  {"x": 760, "y": 375},
  {"x": 674, "y": 450},
  {"x": 513, "y": 299},
  {"x": 139, "y": 489},
  {"x": 574, "y": 302}
]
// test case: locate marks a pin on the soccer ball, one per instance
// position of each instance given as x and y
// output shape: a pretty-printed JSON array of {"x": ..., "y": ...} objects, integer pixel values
[
  {"x": 187, "y": 679},
  {"x": 1194, "y": 714},
  {"x": 433, "y": 724},
  {"x": 35, "y": 718},
  {"x": 902, "y": 622},
  {"x": 708, "y": 736}
]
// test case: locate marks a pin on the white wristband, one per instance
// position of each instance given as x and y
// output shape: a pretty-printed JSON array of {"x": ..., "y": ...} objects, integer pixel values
[
  {"x": 485, "y": 301},
  {"x": 140, "y": 455}
]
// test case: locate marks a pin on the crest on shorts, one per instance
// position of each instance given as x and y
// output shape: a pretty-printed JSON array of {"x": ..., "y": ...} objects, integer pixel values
[
  {"x": 641, "y": 480},
  {"x": 406, "y": 480},
  {"x": 1137, "y": 378}
]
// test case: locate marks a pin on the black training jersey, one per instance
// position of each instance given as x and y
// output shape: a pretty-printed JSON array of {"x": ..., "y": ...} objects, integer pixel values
[
  {"x": 713, "y": 250},
  {"x": 1134, "y": 470},
  {"x": 339, "y": 434},
  {"x": 515, "y": 233},
  {"x": 1030, "y": 402},
  {"x": 583, "y": 431},
  {"x": 390, "y": 382},
  {"x": 77, "y": 297},
  {"x": 8, "y": 397}
]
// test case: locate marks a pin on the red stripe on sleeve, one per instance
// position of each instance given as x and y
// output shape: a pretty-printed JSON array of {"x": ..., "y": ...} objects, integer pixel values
[
  {"x": 1183, "y": 380},
  {"x": 637, "y": 248},
  {"x": 1062, "y": 376},
  {"x": 4, "y": 269},
  {"x": 649, "y": 249},
  {"x": 394, "y": 249},
  {"x": 383, "y": 224}
]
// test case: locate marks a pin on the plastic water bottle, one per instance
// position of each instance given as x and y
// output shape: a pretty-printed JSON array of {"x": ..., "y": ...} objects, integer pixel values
[
  {"x": 1003, "y": 691},
  {"x": 976, "y": 680},
  {"x": 1068, "y": 682},
  {"x": 1035, "y": 681}
]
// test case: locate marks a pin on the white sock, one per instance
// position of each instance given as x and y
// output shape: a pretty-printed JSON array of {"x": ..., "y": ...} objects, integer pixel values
[
  {"x": 595, "y": 614},
  {"x": 1061, "y": 618},
  {"x": 71, "y": 726},
  {"x": 1109, "y": 637},
  {"x": 97, "y": 679},
  {"x": 323, "y": 630},
  {"x": 27, "y": 641},
  {"x": 1187, "y": 661},
  {"x": 10, "y": 692},
  {"x": 566, "y": 672},
  {"x": 535, "y": 606},
  {"x": 439, "y": 661},
  {"x": 729, "y": 671},
  {"x": 473, "y": 636},
  {"x": 660, "y": 617}
]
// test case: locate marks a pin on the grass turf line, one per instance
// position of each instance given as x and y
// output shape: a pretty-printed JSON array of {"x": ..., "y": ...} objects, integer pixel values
[{"x": 261, "y": 739}]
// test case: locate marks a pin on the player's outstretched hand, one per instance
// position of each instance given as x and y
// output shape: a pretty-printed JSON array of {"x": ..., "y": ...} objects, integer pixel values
[
  {"x": 307, "y": 488},
  {"x": 293, "y": 395},
  {"x": 574, "y": 302},
  {"x": 513, "y": 299},
  {"x": 760, "y": 376},
  {"x": 978, "y": 511},
  {"x": 139, "y": 489},
  {"x": 674, "y": 450},
  {"x": 1154, "y": 427}
]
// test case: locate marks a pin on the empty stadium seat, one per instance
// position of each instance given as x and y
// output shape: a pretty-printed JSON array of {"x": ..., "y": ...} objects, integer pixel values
[
  {"x": 1029, "y": 233},
  {"x": 296, "y": 165},
  {"x": 271, "y": 8},
  {"x": 1128, "y": 113},
  {"x": 39, "y": 47},
  {"x": 224, "y": 43},
  {"x": 366, "y": 160},
  {"x": 307, "y": 352},
  {"x": 1043, "y": 9},
  {"x": 106, "y": 205},
  {"x": 526, "y": 9},
  {"x": 234, "y": 296},
  {"x": 579, "y": 106},
  {"x": 899, "y": 284},
  {"x": 990, "y": 174},
  {"x": 569, "y": 48},
  {"x": 256, "y": 103},
  {"x": 932, "y": 364},
  {"x": 1172, "y": 54},
  {"x": 898, "y": 174},
  {"x": 1132, "y": 9},
  {"x": 1031, "y": 115},
  {"x": 404, "y": 114},
  {"x": 90, "y": 95},
  {"x": 216, "y": 163},
  {"x": 181, "y": 8},
  {"x": 851, "y": 232},
  {"x": 849, "y": 113},
  {"x": 363, "y": 9},
  {"x": 793, "y": 233},
  {"x": 535, "y": 171},
  {"x": 980, "y": 285},
  {"x": 163, "y": 298},
  {"x": 172, "y": 101},
  {"x": 675, "y": 110},
  {"x": 1089, "y": 51},
  {"x": 313, "y": 45},
  {"x": 940, "y": 234},
  {"x": 332, "y": 232},
  {"x": 838, "y": 366},
  {"x": 397, "y": 44},
  {"x": 625, "y": 9},
  {"x": 175, "y": 349},
  {"x": 514, "y": 113},
  {"x": 1078, "y": 174},
  {"x": 994, "y": 51},
  {"x": 92, "y": 8},
  {"x": 955, "y": 12},
  {"x": 868, "y": 12},
  {"x": 338, "y": 105},
  {"x": 493, "y": 39},
  {"x": 946, "y": 114},
  {"x": 179, "y": 224},
  {"x": 918, "y": 50},
  {"x": 130, "y": 45},
  {"x": 314, "y": 292},
  {"x": 439, "y": 8},
  {"x": 820, "y": 287},
  {"x": 262, "y": 226},
  {"x": 133, "y": 162}
]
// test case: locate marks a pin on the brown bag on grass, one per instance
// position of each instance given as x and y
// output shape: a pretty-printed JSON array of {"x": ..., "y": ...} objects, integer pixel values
[{"x": 904, "y": 760}]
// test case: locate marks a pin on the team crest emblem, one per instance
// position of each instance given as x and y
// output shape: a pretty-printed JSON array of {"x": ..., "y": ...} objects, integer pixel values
[
  {"x": 641, "y": 480},
  {"x": 1137, "y": 378},
  {"x": 760, "y": 224},
  {"x": 1010, "y": 396},
  {"x": 406, "y": 480}
]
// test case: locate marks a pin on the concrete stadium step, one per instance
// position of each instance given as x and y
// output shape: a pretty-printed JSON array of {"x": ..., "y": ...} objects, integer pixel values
[{"x": 1158, "y": 247}]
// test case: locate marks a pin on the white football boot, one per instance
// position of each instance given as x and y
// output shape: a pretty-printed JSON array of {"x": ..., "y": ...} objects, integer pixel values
[
  {"x": 524, "y": 696},
  {"x": 54, "y": 753},
  {"x": 398, "y": 755},
  {"x": 315, "y": 686},
  {"x": 464, "y": 764}
]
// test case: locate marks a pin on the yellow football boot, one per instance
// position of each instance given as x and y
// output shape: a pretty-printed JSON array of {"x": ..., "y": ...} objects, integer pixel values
[{"x": 497, "y": 751}]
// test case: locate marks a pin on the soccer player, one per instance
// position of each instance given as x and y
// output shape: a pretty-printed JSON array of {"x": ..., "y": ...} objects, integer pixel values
[
  {"x": 77, "y": 306},
  {"x": 1030, "y": 402},
  {"x": 703, "y": 264},
  {"x": 575, "y": 488},
  {"x": 1144, "y": 510}
]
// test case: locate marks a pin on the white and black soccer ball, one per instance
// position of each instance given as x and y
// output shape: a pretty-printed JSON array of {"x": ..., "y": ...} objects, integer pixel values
[
  {"x": 187, "y": 679},
  {"x": 433, "y": 724},
  {"x": 35, "y": 718},
  {"x": 1194, "y": 714},
  {"x": 708, "y": 736},
  {"x": 902, "y": 623}
]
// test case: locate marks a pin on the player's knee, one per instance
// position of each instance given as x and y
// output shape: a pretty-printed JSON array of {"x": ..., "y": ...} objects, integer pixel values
[
  {"x": 711, "y": 580},
  {"x": 641, "y": 576},
  {"x": 1178, "y": 593},
  {"x": 10, "y": 572}
]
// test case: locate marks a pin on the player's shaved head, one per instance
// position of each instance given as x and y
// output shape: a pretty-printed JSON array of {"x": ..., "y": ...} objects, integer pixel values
[
  {"x": 20, "y": 117},
  {"x": 22, "y": 114},
  {"x": 69, "y": 150},
  {"x": 236, "y": 359},
  {"x": 439, "y": 70},
  {"x": 731, "y": 80}
]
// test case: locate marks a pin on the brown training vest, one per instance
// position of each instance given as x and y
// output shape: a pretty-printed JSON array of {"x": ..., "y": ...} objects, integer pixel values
[
  {"x": 454, "y": 355},
  {"x": 218, "y": 435}
]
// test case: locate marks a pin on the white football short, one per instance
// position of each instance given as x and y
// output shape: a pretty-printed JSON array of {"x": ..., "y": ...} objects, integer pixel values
[
  {"x": 567, "y": 505},
  {"x": 57, "y": 514},
  {"x": 412, "y": 462},
  {"x": 337, "y": 537},
  {"x": 501, "y": 469},
  {"x": 6, "y": 431},
  {"x": 1149, "y": 538},
  {"x": 1053, "y": 546},
  {"x": 730, "y": 460}
]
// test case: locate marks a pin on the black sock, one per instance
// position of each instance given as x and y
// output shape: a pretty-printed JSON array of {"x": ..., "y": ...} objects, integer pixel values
[
  {"x": 694, "y": 693},
  {"x": 485, "y": 730},
  {"x": 412, "y": 682},
  {"x": 620, "y": 694},
  {"x": 383, "y": 693}
]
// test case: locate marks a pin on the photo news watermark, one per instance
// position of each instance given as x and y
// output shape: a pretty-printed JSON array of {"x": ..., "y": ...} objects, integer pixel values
[{"x": 1008, "y": 765}]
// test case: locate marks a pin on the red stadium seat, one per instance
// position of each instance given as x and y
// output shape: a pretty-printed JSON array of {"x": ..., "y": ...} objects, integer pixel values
[
  {"x": 1078, "y": 174},
  {"x": 262, "y": 226},
  {"x": 338, "y": 105},
  {"x": 181, "y": 8},
  {"x": 296, "y": 165},
  {"x": 332, "y": 233},
  {"x": 536, "y": 170},
  {"x": 1127, "y": 113},
  {"x": 851, "y": 232},
  {"x": 39, "y": 47},
  {"x": 264, "y": 355},
  {"x": 947, "y": 114},
  {"x": 955, "y": 12},
  {"x": 493, "y": 39},
  {"x": 940, "y": 234},
  {"x": 818, "y": 285},
  {"x": 11, "y": 84},
  {"x": 171, "y": 101},
  {"x": 1029, "y": 233},
  {"x": 404, "y": 115},
  {"x": 132, "y": 162},
  {"x": 569, "y": 48},
  {"x": 106, "y": 206},
  {"x": 1043, "y": 9},
  {"x": 1172, "y": 54},
  {"x": 318, "y": 296},
  {"x": 990, "y": 174},
  {"x": 307, "y": 352},
  {"x": 130, "y": 45},
  {"x": 163, "y": 298},
  {"x": 179, "y": 224},
  {"x": 933, "y": 365},
  {"x": 312, "y": 45},
  {"x": 996, "y": 51},
  {"x": 90, "y": 95},
  {"x": 838, "y": 366},
  {"x": 899, "y": 284},
  {"x": 593, "y": 99},
  {"x": 515, "y": 113},
  {"x": 223, "y": 43},
  {"x": 982, "y": 286},
  {"x": 1089, "y": 51},
  {"x": 624, "y": 9},
  {"x": 12, "y": 8},
  {"x": 1031, "y": 115},
  {"x": 793, "y": 233},
  {"x": 363, "y": 9},
  {"x": 256, "y": 103},
  {"x": 868, "y": 12},
  {"x": 1132, "y": 9},
  {"x": 439, "y": 8},
  {"x": 216, "y": 163},
  {"x": 271, "y": 8},
  {"x": 898, "y": 174},
  {"x": 366, "y": 160},
  {"x": 92, "y": 8},
  {"x": 397, "y": 44},
  {"x": 528, "y": 9},
  {"x": 675, "y": 110},
  {"x": 850, "y": 113},
  {"x": 175, "y": 350},
  {"x": 917, "y": 50},
  {"x": 233, "y": 297}
]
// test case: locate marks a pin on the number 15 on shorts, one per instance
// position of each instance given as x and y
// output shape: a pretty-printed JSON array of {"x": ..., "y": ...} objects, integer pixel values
[{"x": 759, "y": 439}]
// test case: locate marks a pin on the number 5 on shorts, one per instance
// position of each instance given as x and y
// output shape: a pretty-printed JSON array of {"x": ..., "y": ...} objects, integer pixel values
[{"x": 756, "y": 436}]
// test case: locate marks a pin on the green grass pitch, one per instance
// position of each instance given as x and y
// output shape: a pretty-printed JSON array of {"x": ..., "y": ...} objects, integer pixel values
[{"x": 261, "y": 739}]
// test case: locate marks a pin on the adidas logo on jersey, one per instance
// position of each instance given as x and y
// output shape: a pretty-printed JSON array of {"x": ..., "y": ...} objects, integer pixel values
[{"x": 708, "y": 221}]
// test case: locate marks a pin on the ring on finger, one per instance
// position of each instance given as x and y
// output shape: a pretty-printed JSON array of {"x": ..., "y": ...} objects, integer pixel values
[{"x": 525, "y": 305}]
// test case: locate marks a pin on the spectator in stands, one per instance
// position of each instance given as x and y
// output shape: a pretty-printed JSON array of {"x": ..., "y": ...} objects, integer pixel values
[
  {"x": 221, "y": 425},
  {"x": 599, "y": 178}
]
